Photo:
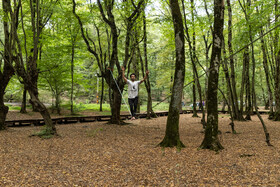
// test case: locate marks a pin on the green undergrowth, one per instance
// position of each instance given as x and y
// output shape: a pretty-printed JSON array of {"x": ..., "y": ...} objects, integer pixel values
[
  {"x": 93, "y": 132},
  {"x": 45, "y": 133}
]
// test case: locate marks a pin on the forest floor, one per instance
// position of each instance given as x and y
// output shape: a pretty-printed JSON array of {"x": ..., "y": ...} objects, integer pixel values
[
  {"x": 16, "y": 115},
  {"x": 97, "y": 154}
]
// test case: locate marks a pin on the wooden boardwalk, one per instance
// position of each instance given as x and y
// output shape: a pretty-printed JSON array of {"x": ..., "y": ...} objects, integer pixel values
[{"x": 84, "y": 119}]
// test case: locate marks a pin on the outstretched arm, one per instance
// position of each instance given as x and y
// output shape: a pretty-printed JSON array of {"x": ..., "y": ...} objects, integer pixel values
[
  {"x": 146, "y": 76},
  {"x": 123, "y": 76}
]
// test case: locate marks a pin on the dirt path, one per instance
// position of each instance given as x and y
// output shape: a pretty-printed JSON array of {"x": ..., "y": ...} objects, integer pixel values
[{"x": 109, "y": 155}]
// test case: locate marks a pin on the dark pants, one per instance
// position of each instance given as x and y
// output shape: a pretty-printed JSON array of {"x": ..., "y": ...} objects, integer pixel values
[{"x": 133, "y": 105}]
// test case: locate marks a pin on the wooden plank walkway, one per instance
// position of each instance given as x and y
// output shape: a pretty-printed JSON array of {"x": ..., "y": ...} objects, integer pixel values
[{"x": 84, "y": 119}]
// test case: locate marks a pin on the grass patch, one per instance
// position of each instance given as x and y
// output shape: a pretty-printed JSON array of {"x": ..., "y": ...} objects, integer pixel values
[
  {"x": 45, "y": 133},
  {"x": 89, "y": 107},
  {"x": 93, "y": 132},
  {"x": 17, "y": 108}
]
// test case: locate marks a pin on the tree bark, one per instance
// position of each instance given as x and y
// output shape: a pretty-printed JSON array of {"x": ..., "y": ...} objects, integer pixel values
[
  {"x": 3, "y": 111},
  {"x": 235, "y": 108},
  {"x": 135, "y": 63},
  {"x": 266, "y": 70},
  {"x": 150, "y": 112},
  {"x": 211, "y": 139},
  {"x": 57, "y": 102},
  {"x": 243, "y": 82},
  {"x": 24, "y": 73},
  {"x": 73, "y": 41},
  {"x": 38, "y": 105},
  {"x": 248, "y": 87},
  {"x": 6, "y": 69},
  {"x": 102, "y": 95},
  {"x": 172, "y": 137},
  {"x": 116, "y": 108},
  {"x": 254, "y": 98},
  {"x": 23, "y": 104},
  {"x": 277, "y": 67},
  {"x": 107, "y": 71},
  {"x": 193, "y": 61}
]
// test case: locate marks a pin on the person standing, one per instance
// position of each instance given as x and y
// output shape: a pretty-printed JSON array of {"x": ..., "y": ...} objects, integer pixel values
[{"x": 133, "y": 87}]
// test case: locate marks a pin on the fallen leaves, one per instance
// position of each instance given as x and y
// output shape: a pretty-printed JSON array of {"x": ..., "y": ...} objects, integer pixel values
[{"x": 96, "y": 154}]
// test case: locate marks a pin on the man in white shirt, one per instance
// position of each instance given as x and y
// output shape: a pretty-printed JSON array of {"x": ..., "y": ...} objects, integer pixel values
[{"x": 133, "y": 86}]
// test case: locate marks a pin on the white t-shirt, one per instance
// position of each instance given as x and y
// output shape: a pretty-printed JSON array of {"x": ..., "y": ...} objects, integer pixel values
[{"x": 132, "y": 88}]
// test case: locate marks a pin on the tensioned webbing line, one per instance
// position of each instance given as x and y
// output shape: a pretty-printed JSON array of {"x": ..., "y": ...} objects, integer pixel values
[
  {"x": 238, "y": 51},
  {"x": 233, "y": 54},
  {"x": 120, "y": 91}
]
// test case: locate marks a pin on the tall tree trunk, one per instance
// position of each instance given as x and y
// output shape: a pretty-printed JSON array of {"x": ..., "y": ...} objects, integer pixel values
[
  {"x": 224, "y": 99},
  {"x": 211, "y": 139},
  {"x": 107, "y": 72},
  {"x": 57, "y": 102},
  {"x": 194, "y": 60},
  {"x": 3, "y": 111},
  {"x": 238, "y": 115},
  {"x": 195, "y": 83},
  {"x": 254, "y": 101},
  {"x": 135, "y": 63},
  {"x": 6, "y": 69},
  {"x": 254, "y": 98},
  {"x": 229, "y": 85},
  {"x": 277, "y": 66},
  {"x": 245, "y": 62},
  {"x": 102, "y": 95},
  {"x": 24, "y": 73},
  {"x": 23, "y": 104},
  {"x": 33, "y": 58},
  {"x": 266, "y": 70},
  {"x": 150, "y": 112},
  {"x": 49, "y": 125},
  {"x": 207, "y": 49},
  {"x": 248, "y": 87},
  {"x": 72, "y": 74},
  {"x": 116, "y": 107},
  {"x": 172, "y": 137},
  {"x": 194, "y": 95}
]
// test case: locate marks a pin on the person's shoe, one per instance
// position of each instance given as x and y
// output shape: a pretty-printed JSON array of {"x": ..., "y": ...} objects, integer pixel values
[{"x": 133, "y": 118}]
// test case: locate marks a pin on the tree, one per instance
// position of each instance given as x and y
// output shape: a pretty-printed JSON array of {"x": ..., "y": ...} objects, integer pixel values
[
  {"x": 247, "y": 12},
  {"x": 277, "y": 65},
  {"x": 6, "y": 68},
  {"x": 211, "y": 139},
  {"x": 232, "y": 83},
  {"x": 144, "y": 67},
  {"x": 107, "y": 70},
  {"x": 29, "y": 74},
  {"x": 172, "y": 137}
]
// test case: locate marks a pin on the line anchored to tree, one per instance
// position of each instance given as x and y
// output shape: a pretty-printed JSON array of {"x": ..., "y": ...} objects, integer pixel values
[{"x": 233, "y": 54}]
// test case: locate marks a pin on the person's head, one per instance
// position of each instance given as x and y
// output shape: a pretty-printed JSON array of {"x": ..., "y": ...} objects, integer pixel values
[{"x": 132, "y": 76}]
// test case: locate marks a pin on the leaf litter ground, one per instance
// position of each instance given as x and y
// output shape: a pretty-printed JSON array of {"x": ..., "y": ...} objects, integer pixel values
[{"x": 97, "y": 154}]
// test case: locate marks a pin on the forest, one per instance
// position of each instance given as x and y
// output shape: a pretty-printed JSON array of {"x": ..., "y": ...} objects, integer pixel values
[{"x": 212, "y": 66}]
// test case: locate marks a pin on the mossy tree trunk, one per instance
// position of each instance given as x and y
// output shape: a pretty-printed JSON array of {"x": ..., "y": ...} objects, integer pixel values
[
  {"x": 267, "y": 75},
  {"x": 211, "y": 139},
  {"x": 237, "y": 114},
  {"x": 3, "y": 111},
  {"x": 102, "y": 94},
  {"x": 107, "y": 15},
  {"x": 277, "y": 65},
  {"x": 172, "y": 137},
  {"x": 31, "y": 72},
  {"x": 254, "y": 98},
  {"x": 242, "y": 85},
  {"x": 248, "y": 86},
  {"x": 6, "y": 69},
  {"x": 150, "y": 112},
  {"x": 23, "y": 103}
]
